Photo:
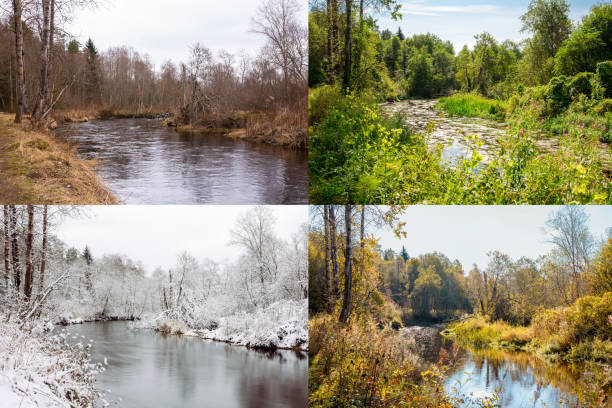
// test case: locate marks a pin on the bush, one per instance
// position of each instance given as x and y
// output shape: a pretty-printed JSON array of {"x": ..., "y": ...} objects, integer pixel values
[
  {"x": 474, "y": 105},
  {"x": 557, "y": 94},
  {"x": 604, "y": 75},
  {"x": 581, "y": 85},
  {"x": 320, "y": 100}
]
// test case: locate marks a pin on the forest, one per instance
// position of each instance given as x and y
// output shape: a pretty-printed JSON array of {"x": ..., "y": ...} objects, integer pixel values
[
  {"x": 546, "y": 99},
  {"x": 556, "y": 307},
  {"x": 50, "y": 74},
  {"x": 56, "y": 85},
  {"x": 258, "y": 299}
]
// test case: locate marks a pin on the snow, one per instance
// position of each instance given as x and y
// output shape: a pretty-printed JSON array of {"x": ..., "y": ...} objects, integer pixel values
[
  {"x": 38, "y": 370},
  {"x": 283, "y": 324}
]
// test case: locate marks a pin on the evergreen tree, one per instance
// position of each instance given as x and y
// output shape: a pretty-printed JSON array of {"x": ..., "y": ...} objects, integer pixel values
[{"x": 404, "y": 254}]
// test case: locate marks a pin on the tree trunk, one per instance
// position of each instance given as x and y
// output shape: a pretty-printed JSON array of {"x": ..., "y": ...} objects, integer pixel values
[
  {"x": 334, "y": 252},
  {"x": 21, "y": 87},
  {"x": 348, "y": 275},
  {"x": 27, "y": 285},
  {"x": 331, "y": 64},
  {"x": 44, "y": 63},
  {"x": 43, "y": 254},
  {"x": 15, "y": 250},
  {"x": 348, "y": 45},
  {"x": 48, "y": 97},
  {"x": 361, "y": 15},
  {"x": 7, "y": 265},
  {"x": 328, "y": 275}
]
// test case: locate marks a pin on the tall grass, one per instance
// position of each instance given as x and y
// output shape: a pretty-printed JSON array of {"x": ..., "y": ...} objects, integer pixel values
[
  {"x": 474, "y": 106},
  {"x": 580, "y": 332}
]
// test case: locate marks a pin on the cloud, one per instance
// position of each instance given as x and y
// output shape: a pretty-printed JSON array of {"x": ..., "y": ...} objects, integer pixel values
[{"x": 418, "y": 8}]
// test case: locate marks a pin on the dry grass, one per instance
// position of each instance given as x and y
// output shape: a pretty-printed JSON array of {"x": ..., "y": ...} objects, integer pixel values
[
  {"x": 285, "y": 127},
  {"x": 36, "y": 169}
]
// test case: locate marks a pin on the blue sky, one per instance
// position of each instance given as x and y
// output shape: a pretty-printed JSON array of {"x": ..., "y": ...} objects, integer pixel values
[
  {"x": 459, "y": 20},
  {"x": 467, "y": 233}
]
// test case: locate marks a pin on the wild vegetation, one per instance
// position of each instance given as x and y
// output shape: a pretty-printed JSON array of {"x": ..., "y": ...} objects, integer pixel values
[
  {"x": 553, "y": 85},
  {"x": 38, "y": 168},
  {"x": 48, "y": 77},
  {"x": 359, "y": 298},
  {"x": 557, "y": 307},
  {"x": 259, "y": 299}
]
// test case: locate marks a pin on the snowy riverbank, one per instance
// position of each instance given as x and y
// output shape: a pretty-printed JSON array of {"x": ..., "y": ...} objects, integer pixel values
[
  {"x": 43, "y": 370},
  {"x": 283, "y": 325}
]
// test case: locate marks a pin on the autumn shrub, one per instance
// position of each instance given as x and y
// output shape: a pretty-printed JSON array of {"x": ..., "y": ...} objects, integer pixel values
[{"x": 360, "y": 365}]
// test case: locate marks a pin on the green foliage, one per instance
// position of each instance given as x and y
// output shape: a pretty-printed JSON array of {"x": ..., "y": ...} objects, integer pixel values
[
  {"x": 581, "y": 84},
  {"x": 604, "y": 75},
  {"x": 558, "y": 95},
  {"x": 589, "y": 44},
  {"x": 320, "y": 100},
  {"x": 473, "y": 105},
  {"x": 356, "y": 157}
]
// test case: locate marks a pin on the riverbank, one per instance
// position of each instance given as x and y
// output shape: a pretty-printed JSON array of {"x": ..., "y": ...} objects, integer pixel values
[
  {"x": 282, "y": 325},
  {"x": 36, "y": 168},
  {"x": 38, "y": 370},
  {"x": 578, "y": 333},
  {"x": 86, "y": 115},
  {"x": 284, "y": 127}
]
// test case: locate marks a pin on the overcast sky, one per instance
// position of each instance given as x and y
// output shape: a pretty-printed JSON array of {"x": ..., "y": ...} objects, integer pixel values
[
  {"x": 155, "y": 235},
  {"x": 459, "y": 20},
  {"x": 166, "y": 30},
  {"x": 467, "y": 233}
]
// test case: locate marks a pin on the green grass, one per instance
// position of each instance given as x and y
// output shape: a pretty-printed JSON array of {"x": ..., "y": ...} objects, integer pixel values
[{"x": 473, "y": 106}]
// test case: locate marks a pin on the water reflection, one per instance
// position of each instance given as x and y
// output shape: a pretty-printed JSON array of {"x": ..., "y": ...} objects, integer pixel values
[
  {"x": 517, "y": 379},
  {"x": 145, "y": 163},
  {"x": 148, "y": 369}
]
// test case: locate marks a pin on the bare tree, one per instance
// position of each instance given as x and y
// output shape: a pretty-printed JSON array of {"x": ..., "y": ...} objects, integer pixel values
[
  {"x": 19, "y": 53},
  {"x": 27, "y": 286},
  {"x": 43, "y": 251},
  {"x": 569, "y": 232},
  {"x": 15, "y": 249},
  {"x": 7, "y": 268},
  {"x": 276, "y": 20}
]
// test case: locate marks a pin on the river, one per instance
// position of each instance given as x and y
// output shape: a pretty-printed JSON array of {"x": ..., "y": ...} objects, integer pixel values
[
  {"x": 519, "y": 380},
  {"x": 452, "y": 131},
  {"x": 148, "y": 369},
  {"x": 143, "y": 162}
]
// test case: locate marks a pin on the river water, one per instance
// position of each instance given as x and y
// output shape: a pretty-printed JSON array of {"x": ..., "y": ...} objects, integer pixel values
[
  {"x": 452, "y": 131},
  {"x": 143, "y": 162},
  {"x": 518, "y": 380},
  {"x": 147, "y": 369}
]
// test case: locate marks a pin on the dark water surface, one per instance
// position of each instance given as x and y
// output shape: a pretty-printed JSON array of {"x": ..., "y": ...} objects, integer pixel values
[
  {"x": 143, "y": 162},
  {"x": 147, "y": 369},
  {"x": 518, "y": 380}
]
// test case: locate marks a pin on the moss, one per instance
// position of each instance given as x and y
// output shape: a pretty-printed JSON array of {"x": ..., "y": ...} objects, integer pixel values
[{"x": 39, "y": 144}]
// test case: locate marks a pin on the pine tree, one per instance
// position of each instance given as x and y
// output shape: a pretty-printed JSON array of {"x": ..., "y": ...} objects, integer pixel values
[{"x": 404, "y": 254}]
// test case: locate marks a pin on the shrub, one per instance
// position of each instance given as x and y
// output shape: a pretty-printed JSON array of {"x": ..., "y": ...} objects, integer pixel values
[
  {"x": 320, "y": 100},
  {"x": 557, "y": 94},
  {"x": 604, "y": 75},
  {"x": 581, "y": 85}
]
